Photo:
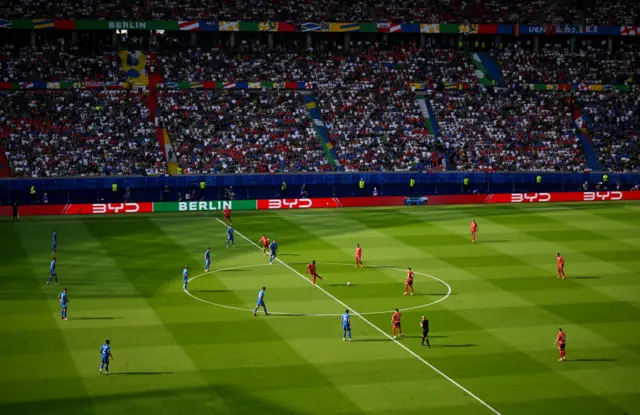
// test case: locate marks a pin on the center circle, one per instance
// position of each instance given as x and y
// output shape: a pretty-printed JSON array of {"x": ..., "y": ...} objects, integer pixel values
[{"x": 319, "y": 314}]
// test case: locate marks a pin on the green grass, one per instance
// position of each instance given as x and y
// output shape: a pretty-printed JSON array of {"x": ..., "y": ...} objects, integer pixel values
[{"x": 174, "y": 354}]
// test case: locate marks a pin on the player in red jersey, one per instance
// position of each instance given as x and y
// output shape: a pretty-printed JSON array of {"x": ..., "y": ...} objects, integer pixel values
[
  {"x": 311, "y": 270},
  {"x": 359, "y": 256},
  {"x": 561, "y": 267},
  {"x": 473, "y": 228},
  {"x": 561, "y": 341},
  {"x": 227, "y": 216},
  {"x": 265, "y": 244},
  {"x": 409, "y": 283},
  {"x": 395, "y": 323}
]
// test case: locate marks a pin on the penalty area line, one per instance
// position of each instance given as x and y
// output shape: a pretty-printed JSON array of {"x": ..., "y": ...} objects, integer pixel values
[{"x": 337, "y": 300}]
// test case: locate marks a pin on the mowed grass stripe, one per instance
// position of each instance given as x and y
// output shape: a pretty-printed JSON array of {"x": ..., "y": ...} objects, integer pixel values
[
  {"x": 308, "y": 237},
  {"x": 489, "y": 314},
  {"x": 28, "y": 323},
  {"x": 267, "y": 348}
]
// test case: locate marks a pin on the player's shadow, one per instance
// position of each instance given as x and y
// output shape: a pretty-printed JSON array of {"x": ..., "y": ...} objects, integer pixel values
[
  {"x": 288, "y": 255},
  {"x": 586, "y": 278},
  {"x": 139, "y": 373},
  {"x": 592, "y": 360},
  {"x": 340, "y": 285},
  {"x": 374, "y": 340},
  {"x": 211, "y": 291},
  {"x": 97, "y": 318},
  {"x": 430, "y": 337},
  {"x": 454, "y": 345}
]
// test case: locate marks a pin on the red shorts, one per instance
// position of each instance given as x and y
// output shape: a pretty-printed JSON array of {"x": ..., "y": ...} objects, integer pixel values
[
  {"x": 561, "y": 345},
  {"x": 396, "y": 324},
  {"x": 561, "y": 268},
  {"x": 409, "y": 284},
  {"x": 227, "y": 216},
  {"x": 265, "y": 246},
  {"x": 358, "y": 258}
]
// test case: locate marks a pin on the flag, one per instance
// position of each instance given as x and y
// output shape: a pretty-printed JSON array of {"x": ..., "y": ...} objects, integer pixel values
[
  {"x": 188, "y": 25},
  {"x": 268, "y": 26},
  {"x": 195, "y": 85},
  {"x": 5, "y": 24},
  {"x": 39, "y": 24},
  {"x": 229, "y": 85},
  {"x": 171, "y": 84},
  {"x": 344, "y": 27},
  {"x": 229, "y": 26},
  {"x": 311, "y": 27},
  {"x": 254, "y": 85},
  {"x": 429, "y": 28},
  {"x": 630, "y": 30},
  {"x": 286, "y": 27},
  {"x": 383, "y": 27}
]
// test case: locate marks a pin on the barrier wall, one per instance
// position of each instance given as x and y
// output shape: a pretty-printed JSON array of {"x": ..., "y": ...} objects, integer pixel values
[{"x": 317, "y": 203}]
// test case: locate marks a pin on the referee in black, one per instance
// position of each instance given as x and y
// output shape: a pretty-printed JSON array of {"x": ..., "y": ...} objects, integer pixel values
[
  {"x": 424, "y": 323},
  {"x": 16, "y": 217}
]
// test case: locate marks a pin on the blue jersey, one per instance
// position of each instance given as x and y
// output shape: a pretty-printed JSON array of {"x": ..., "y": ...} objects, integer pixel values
[
  {"x": 346, "y": 321},
  {"x": 104, "y": 351},
  {"x": 261, "y": 297},
  {"x": 63, "y": 299},
  {"x": 230, "y": 233},
  {"x": 52, "y": 268},
  {"x": 54, "y": 238},
  {"x": 185, "y": 274},
  {"x": 273, "y": 247},
  {"x": 207, "y": 256}
]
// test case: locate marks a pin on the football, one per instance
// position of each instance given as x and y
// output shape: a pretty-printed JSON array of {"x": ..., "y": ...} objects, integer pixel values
[{"x": 348, "y": 283}]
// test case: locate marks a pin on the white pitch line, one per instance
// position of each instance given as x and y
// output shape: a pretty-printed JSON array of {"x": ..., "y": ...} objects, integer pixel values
[
  {"x": 283, "y": 313},
  {"x": 337, "y": 300}
]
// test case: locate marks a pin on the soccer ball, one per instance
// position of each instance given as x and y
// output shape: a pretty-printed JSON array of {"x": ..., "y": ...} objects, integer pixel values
[{"x": 348, "y": 283}]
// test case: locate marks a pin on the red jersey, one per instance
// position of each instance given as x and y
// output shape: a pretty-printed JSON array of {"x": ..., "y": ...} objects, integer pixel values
[
  {"x": 227, "y": 212},
  {"x": 264, "y": 240},
  {"x": 311, "y": 269},
  {"x": 560, "y": 262},
  {"x": 409, "y": 277},
  {"x": 396, "y": 317},
  {"x": 358, "y": 252},
  {"x": 473, "y": 227},
  {"x": 562, "y": 337}
]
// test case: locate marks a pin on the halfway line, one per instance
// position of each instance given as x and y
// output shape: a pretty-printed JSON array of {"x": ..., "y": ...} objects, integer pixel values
[{"x": 468, "y": 392}]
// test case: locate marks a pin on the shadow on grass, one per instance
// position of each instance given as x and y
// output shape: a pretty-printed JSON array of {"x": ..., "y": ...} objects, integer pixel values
[
  {"x": 97, "y": 318},
  {"x": 453, "y": 345},
  {"x": 340, "y": 285},
  {"x": 592, "y": 360},
  {"x": 373, "y": 340},
  {"x": 211, "y": 291},
  {"x": 139, "y": 373},
  {"x": 586, "y": 278},
  {"x": 430, "y": 337},
  {"x": 288, "y": 255}
]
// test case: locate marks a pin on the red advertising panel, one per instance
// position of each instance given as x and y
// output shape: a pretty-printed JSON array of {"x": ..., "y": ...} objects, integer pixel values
[
  {"x": 110, "y": 208},
  {"x": 297, "y": 203},
  {"x": 79, "y": 209}
]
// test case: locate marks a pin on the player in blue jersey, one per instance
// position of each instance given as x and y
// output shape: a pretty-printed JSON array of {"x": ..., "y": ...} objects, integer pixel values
[
  {"x": 274, "y": 251},
  {"x": 230, "y": 237},
  {"x": 64, "y": 302},
  {"x": 207, "y": 259},
  {"x": 105, "y": 355},
  {"x": 346, "y": 325},
  {"x": 185, "y": 277},
  {"x": 54, "y": 241},
  {"x": 52, "y": 272},
  {"x": 261, "y": 302}
]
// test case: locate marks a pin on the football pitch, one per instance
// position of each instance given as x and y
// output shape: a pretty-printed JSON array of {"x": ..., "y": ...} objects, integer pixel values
[{"x": 494, "y": 309}]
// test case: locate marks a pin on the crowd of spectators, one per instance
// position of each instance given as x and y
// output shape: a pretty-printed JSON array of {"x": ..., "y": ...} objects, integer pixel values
[
  {"x": 508, "y": 131},
  {"x": 240, "y": 131},
  {"x": 79, "y": 133},
  {"x": 374, "y": 128},
  {"x": 554, "y": 63},
  {"x": 434, "y": 11},
  {"x": 613, "y": 122},
  {"x": 389, "y": 61}
]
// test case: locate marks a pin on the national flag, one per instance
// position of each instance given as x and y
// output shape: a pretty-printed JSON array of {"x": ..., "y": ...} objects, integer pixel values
[
  {"x": 286, "y": 27},
  {"x": 384, "y": 27},
  {"x": 195, "y": 85},
  {"x": 171, "y": 84},
  {"x": 268, "y": 26},
  {"x": 395, "y": 28},
  {"x": 229, "y": 26},
  {"x": 229, "y": 85},
  {"x": 311, "y": 27},
  {"x": 26, "y": 85},
  {"x": 53, "y": 85},
  {"x": 308, "y": 85},
  {"x": 93, "y": 84},
  {"x": 630, "y": 30},
  {"x": 208, "y": 26},
  {"x": 5, "y": 24},
  {"x": 344, "y": 27},
  {"x": 254, "y": 85},
  {"x": 429, "y": 28},
  {"x": 189, "y": 25},
  {"x": 39, "y": 24}
]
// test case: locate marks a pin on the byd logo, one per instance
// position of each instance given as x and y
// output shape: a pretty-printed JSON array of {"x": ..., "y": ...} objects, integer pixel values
[
  {"x": 591, "y": 196},
  {"x": 290, "y": 203},
  {"x": 530, "y": 197},
  {"x": 101, "y": 208}
]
